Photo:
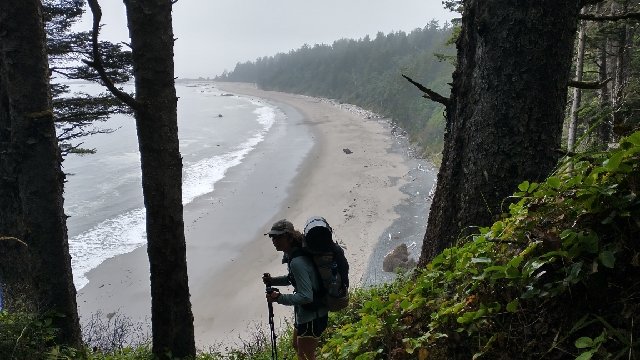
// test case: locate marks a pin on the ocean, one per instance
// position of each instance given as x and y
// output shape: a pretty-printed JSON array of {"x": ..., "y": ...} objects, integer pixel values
[{"x": 103, "y": 193}]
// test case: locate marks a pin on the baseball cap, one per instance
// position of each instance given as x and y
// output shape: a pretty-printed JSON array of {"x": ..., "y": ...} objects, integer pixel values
[{"x": 281, "y": 227}]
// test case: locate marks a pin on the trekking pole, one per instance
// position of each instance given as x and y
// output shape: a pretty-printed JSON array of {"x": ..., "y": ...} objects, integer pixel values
[{"x": 274, "y": 348}]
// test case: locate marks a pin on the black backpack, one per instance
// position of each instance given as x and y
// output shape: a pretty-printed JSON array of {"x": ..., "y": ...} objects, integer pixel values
[{"x": 331, "y": 265}]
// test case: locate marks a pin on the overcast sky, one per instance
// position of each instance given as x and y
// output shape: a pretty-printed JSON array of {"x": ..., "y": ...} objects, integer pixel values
[{"x": 213, "y": 35}]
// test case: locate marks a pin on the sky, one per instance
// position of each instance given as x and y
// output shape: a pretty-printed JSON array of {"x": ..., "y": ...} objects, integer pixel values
[{"x": 214, "y": 35}]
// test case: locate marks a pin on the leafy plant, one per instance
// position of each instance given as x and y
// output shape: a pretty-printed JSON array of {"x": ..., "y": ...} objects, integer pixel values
[{"x": 558, "y": 275}]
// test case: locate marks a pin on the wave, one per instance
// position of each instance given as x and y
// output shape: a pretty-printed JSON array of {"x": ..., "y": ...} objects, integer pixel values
[{"x": 126, "y": 232}]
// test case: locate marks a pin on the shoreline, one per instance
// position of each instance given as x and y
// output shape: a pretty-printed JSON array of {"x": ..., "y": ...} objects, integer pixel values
[{"x": 360, "y": 191}]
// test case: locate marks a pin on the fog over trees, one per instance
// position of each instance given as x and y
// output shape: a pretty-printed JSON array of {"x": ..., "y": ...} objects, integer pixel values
[{"x": 367, "y": 72}]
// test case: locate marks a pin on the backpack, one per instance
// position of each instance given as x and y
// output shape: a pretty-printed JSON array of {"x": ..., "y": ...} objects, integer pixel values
[{"x": 328, "y": 258}]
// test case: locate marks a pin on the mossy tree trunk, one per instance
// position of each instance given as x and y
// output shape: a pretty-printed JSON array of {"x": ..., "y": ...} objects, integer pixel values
[
  {"x": 31, "y": 180},
  {"x": 505, "y": 115},
  {"x": 151, "y": 33}
]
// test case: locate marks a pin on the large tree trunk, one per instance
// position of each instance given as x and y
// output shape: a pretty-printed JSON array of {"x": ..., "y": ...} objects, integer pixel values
[
  {"x": 31, "y": 182},
  {"x": 505, "y": 117},
  {"x": 152, "y": 41}
]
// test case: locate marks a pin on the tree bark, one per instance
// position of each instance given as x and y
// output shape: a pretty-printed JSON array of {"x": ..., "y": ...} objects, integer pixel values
[
  {"x": 577, "y": 92},
  {"x": 621, "y": 44},
  {"x": 152, "y": 41},
  {"x": 505, "y": 118},
  {"x": 604, "y": 129},
  {"x": 31, "y": 181}
]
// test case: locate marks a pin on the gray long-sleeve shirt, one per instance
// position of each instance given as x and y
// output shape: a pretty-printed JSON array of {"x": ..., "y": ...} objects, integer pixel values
[{"x": 306, "y": 280}]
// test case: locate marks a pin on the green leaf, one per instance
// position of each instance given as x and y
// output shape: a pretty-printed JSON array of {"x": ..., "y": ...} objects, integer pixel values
[
  {"x": 483, "y": 260},
  {"x": 524, "y": 186},
  {"x": 607, "y": 259},
  {"x": 567, "y": 234},
  {"x": 497, "y": 228},
  {"x": 554, "y": 182},
  {"x": 495, "y": 272},
  {"x": 574, "y": 273},
  {"x": 531, "y": 266},
  {"x": 516, "y": 261},
  {"x": 590, "y": 242},
  {"x": 613, "y": 163},
  {"x": 512, "y": 306},
  {"x": 512, "y": 272},
  {"x": 584, "y": 342},
  {"x": 634, "y": 138}
]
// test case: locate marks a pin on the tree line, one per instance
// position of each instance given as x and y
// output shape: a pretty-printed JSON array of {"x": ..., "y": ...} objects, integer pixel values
[
  {"x": 367, "y": 72},
  {"x": 604, "y": 101}
]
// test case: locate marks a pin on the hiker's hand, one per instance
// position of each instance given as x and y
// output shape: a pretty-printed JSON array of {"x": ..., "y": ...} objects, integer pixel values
[
  {"x": 266, "y": 279},
  {"x": 273, "y": 296}
]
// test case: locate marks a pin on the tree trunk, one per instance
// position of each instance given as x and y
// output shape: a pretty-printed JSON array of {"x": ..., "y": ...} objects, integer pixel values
[
  {"x": 604, "y": 128},
  {"x": 577, "y": 92},
  {"x": 504, "y": 121},
  {"x": 31, "y": 181},
  {"x": 152, "y": 40},
  {"x": 620, "y": 77}
]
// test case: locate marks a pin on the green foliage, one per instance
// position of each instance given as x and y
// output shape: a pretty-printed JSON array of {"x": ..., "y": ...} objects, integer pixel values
[
  {"x": 76, "y": 113},
  {"x": 26, "y": 336},
  {"x": 556, "y": 277},
  {"x": 367, "y": 72},
  {"x": 127, "y": 353},
  {"x": 29, "y": 336}
]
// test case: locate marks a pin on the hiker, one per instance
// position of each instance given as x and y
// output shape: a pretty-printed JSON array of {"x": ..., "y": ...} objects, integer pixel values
[{"x": 310, "y": 316}]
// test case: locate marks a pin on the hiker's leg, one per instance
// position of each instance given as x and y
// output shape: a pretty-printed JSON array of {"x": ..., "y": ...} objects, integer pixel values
[
  {"x": 308, "y": 335},
  {"x": 307, "y": 347}
]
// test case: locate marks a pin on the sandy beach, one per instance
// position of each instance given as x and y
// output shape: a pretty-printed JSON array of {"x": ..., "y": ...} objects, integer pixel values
[{"x": 322, "y": 160}]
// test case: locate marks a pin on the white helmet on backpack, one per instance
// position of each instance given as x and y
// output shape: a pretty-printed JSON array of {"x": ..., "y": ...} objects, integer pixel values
[{"x": 317, "y": 235}]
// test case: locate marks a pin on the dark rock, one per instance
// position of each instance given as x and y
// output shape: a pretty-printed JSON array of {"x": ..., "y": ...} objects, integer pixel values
[{"x": 398, "y": 259}]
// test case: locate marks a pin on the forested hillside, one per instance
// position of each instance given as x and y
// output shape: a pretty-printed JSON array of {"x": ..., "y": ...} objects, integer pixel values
[{"x": 367, "y": 72}]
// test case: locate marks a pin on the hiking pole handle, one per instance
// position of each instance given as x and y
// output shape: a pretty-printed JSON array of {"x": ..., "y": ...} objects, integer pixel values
[{"x": 266, "y": 278}]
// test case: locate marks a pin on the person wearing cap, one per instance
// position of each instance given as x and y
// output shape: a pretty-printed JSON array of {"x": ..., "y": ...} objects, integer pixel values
[{"x": 310, "y": 316}]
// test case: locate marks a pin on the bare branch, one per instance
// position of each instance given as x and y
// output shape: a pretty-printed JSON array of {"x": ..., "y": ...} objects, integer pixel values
[
  {"x": 588, "y": 84},
  {"x": 97, "y": 59},
  {"x": 11, "y": 238},
  {"x": 428, "y": 93},
  {"x": 595, "y": 17}
]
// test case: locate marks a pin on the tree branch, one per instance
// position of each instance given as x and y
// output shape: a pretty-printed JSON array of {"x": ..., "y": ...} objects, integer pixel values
[
  {"x": 428, "y": 93},
  {"x": 11, "y": 238},
  {"x": 595, "y": 17},
  {"x": 588, "y": 84},
  {"x": 97, "y": 59}
]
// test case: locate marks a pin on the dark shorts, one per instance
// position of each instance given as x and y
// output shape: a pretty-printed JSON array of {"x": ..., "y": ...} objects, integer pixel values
[{"x": 313, "y": 328}]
